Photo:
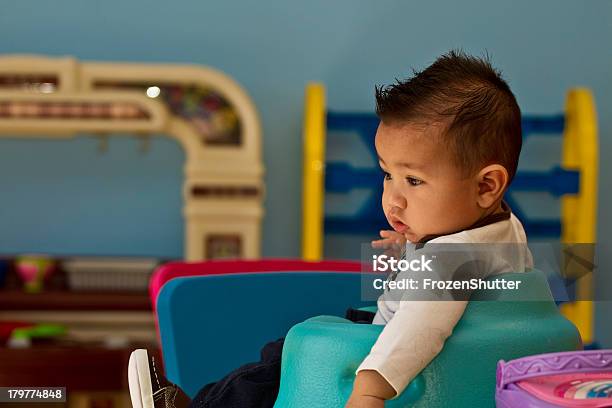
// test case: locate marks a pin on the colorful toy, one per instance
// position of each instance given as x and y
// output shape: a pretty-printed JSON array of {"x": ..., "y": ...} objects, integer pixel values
[
  {"x": 575, "y": 182},
  {"x": 206, "y": 111},
  {"x": 23, "y": 336},
  {"x": 33, "y": 270},
  {"x": 567, "y": 379},
  {"x": 7, "y": 328}
]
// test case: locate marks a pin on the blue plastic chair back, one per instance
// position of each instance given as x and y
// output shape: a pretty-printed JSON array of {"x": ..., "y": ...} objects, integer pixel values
[{"x": 210, "y": 325}]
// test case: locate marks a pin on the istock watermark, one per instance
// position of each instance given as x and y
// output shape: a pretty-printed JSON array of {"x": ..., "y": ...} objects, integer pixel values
[
  {"x": 483, "y": 271},
  {"x": 385, "y": 263}
]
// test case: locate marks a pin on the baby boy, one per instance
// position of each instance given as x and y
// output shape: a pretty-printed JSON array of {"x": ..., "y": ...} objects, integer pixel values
[{"x": 448, "y": 144}]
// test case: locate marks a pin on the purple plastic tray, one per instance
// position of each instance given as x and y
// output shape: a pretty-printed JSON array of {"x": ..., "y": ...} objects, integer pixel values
[{"x": 509, "y": 395}]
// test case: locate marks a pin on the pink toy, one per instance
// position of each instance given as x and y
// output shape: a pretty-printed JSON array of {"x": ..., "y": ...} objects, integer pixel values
[
  {"x": 33, "y": 269},
  {"x": 567, "y": 379}
]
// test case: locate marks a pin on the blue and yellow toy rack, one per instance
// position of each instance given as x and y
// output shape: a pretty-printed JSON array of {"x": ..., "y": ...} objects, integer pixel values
[{"x": 574, "y": 182}]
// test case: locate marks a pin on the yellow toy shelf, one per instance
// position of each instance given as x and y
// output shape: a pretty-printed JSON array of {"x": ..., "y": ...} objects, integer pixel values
[{"x": 578, "y": 211}]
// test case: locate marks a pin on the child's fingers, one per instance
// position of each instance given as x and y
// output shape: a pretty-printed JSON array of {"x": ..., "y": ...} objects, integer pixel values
[
  {"x": 393, "y": 235},
  {"x": 379, "y": 243},
  {"x": 383, "y": 243},
  {"x": 387, "y": 242},
  {"x": 387, "y": 233}
]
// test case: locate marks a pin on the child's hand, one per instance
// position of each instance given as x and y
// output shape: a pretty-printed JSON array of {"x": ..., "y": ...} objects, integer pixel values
[
  {"x": 370, "y": 390},
  {"x": 391, "y": 241},
  {"x": 364, "y": 401}
]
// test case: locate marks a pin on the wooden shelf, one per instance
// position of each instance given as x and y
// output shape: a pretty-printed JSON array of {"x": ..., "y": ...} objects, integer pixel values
[
  {"x": 68, "y": 300},
  {"x": 76, "y": 368}
]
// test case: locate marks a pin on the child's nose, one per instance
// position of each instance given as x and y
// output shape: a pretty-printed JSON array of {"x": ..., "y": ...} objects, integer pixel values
[{"x": 397, "y": 200}]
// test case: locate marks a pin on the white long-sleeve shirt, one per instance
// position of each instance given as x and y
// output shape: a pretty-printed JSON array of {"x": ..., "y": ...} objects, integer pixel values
[{"x": 415, "y": 330}]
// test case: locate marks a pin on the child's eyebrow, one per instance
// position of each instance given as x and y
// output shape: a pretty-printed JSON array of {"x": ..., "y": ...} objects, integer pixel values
[{"x": 403, "y": 164}]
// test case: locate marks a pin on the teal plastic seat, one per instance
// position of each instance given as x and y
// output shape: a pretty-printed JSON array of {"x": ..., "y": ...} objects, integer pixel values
[{"x": 321, "y": 354}]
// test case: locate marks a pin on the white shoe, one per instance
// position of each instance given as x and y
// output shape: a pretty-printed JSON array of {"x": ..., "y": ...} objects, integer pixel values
[
  {"x": 139, "y": 379},
  {"x": 148, "y": 386}
]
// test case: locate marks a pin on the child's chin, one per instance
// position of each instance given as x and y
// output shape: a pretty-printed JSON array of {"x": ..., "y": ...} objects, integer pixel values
[{"x": 412, "y": 238}]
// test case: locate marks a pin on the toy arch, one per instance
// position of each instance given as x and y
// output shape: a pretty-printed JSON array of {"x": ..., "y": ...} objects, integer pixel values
[{"x": 223, "y": 188}]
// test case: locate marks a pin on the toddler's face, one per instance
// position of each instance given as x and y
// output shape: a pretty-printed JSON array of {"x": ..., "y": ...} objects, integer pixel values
[{"x": 424, "y": 191}]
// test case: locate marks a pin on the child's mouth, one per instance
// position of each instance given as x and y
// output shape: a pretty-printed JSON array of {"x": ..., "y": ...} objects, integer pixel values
[{"x": 399, "y": 226}]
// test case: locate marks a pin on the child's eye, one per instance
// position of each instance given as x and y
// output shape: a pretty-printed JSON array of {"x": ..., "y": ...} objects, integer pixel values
[
  {"x": 413, "y": 181},
  {"x": 386, "y": 176}
]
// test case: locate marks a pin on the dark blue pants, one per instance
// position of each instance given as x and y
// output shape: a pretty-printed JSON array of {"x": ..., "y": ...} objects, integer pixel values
[{"x": 255, "y": 385}]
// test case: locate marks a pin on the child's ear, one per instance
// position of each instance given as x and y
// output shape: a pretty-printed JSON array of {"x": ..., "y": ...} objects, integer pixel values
[{"x": 492, "y": 182}]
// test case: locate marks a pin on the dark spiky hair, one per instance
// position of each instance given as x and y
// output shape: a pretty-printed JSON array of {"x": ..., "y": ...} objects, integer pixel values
[{"x": 480, "y": 116}]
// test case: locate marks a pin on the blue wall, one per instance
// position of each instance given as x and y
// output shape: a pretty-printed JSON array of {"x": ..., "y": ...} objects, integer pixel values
[{"x": 67, "y": 198}]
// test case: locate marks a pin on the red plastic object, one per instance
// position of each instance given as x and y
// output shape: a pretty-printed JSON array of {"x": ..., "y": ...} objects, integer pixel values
[
  {"x": 181, "y": 269},
  {"x": 6, "y": 328}
]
